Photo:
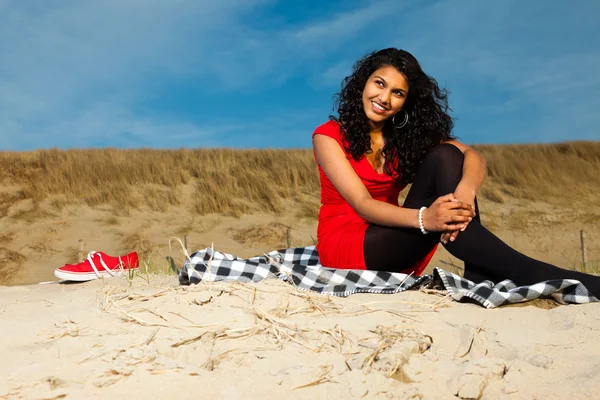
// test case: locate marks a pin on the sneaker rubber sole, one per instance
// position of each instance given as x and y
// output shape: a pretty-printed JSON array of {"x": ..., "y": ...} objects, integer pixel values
[{"x": 88, "y": 276}]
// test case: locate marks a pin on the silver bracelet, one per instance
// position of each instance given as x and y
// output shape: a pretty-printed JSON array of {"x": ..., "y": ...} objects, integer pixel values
[{"x": 421, "y": 226}]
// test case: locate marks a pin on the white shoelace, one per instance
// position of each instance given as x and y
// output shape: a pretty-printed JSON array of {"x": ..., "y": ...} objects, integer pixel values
[{"x": 111, "y": 272}]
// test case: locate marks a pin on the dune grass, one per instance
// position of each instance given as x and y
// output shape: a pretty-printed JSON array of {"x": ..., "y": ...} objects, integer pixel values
[
  {"x": 562, "y": 172},
  {"x": 42, "y": 184},
  {"x": 225, "y": 181},
  {"x": 11, "y": 261},
  {"x": 232, "y": 182}
]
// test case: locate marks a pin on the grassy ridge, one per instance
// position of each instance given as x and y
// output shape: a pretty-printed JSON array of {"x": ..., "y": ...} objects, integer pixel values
[
  {"x": 563, "y": 172},
  {"x": 226, "y": 181},
  {"x": 231, "y": 182}
]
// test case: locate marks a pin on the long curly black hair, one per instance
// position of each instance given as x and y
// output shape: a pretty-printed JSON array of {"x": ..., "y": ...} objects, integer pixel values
[{"x": 426, "y": 104}]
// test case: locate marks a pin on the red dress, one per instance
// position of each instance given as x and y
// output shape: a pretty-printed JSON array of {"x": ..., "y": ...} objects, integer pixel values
[{"x": 341, "y": 231}]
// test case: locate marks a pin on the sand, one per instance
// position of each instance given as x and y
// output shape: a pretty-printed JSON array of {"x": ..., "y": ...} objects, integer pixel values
[
  {"x": 149, "y": 338},
  {"x": 152, "y": 339},
  {"x": 39, "y": 245}
]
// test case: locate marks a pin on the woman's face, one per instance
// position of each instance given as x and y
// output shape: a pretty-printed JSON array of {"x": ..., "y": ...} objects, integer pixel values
[{"x": 384, "y": 95}]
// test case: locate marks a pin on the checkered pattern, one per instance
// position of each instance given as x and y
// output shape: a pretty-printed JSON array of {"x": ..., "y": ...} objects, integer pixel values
[
  {"x": 301, "y": 267},
  {"x": 492, "y": 295}
]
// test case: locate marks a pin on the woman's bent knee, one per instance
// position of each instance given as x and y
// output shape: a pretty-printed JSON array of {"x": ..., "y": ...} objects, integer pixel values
[{"x": 444, "y": 153}]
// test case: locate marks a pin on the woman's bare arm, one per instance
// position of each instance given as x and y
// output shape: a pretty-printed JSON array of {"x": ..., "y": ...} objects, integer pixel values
[
  {"x": 443, "y": 215},
  {"x": 473, "y": 174}
]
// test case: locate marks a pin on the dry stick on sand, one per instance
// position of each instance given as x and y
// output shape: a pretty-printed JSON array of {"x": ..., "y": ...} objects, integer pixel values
[
  {"x": 398, "y": 373},
  {"x": 472, "y": 340},
  {"x": 388, "y": 336},
  {"x": 369, "y": 310},
  {"x": 51, "y": 381},
  {"x": 271, "y": 261},
  {"x": 149, "y": 340},
  {"x": 323, "y": 378},
  {"x": 70, "y": 329},
  {"x": 181, "y": 316},
  {"x": 340, "y": 336},
  {"x": 151, "y": 312},
  {"x": 191, "y": 340},
  {"x": 212, "y": 359},
  {"x": 136, "y": 319},
  {"x": 238, "y": 333},
  {"x": 431, "y": 307},
  {"x": 139, "y": 297},
  {"x": 189, "y": 259},
  {"x": 328, "y": 304},
  {"x": 281, "y": 329},
  {"x": 164, "y": 371},
  {"x": 273, "y": 320},
  {"x": 109, "y": 299},
  {"x": 311, "y": 307}
]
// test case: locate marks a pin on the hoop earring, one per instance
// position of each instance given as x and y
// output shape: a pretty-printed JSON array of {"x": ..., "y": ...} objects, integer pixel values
[{"x": 404, "y": 122}]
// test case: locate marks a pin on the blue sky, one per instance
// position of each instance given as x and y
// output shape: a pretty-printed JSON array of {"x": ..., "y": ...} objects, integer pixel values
[{"x": 262, "y": 73}]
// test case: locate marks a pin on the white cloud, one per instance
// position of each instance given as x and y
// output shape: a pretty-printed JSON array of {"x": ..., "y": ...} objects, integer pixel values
[
  {"x": 76, "y": 69},
  {"x": 110, "y": 125},
  {"x": 345, "y": 26},
  {"x": 530, "y": 65},
  {"x": 334, "y": 74}
]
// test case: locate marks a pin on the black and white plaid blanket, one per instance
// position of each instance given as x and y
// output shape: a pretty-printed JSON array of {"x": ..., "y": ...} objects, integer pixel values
[{"x": 300, "y": 266}]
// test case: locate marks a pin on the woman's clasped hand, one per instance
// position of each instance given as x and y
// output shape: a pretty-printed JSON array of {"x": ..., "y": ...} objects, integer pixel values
[{"x": 447, "y": 214}]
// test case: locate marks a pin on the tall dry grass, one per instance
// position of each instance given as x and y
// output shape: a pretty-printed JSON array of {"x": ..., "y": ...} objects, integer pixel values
[
  {"x": 232, "y": 182},
  {"x": 562, "y": 172},
  {"x": 225, "y": 181}
]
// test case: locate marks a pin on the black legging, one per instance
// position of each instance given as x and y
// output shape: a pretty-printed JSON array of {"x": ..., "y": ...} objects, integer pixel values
[{"x": 485, "y": 255}]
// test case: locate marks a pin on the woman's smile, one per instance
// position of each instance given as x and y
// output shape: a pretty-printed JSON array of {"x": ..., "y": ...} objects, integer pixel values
[
  {"x": 384, "y": 95},
  {"x": 378, "y": 108}
]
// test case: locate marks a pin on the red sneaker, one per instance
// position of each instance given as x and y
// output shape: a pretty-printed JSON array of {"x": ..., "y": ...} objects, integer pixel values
[{"x": 97, "y": 265}]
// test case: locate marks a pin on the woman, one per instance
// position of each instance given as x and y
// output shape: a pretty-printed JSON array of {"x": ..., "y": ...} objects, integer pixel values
[{"x": 394, "y": 129}]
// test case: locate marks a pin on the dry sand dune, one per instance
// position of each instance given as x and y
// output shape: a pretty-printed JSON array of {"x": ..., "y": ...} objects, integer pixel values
[
  {"x": 31, "y": 250},
  {"x": 536, "y": 197},
  {"x": 110, "y": 338},
  {"x": 149, "y": 338}
]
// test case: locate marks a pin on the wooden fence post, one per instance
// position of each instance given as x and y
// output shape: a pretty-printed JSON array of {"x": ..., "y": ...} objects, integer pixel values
[
  {"x": 80, "y": 250},
  {"x": 186, "y": 243},
  {"x": 583, "y": 251}
]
